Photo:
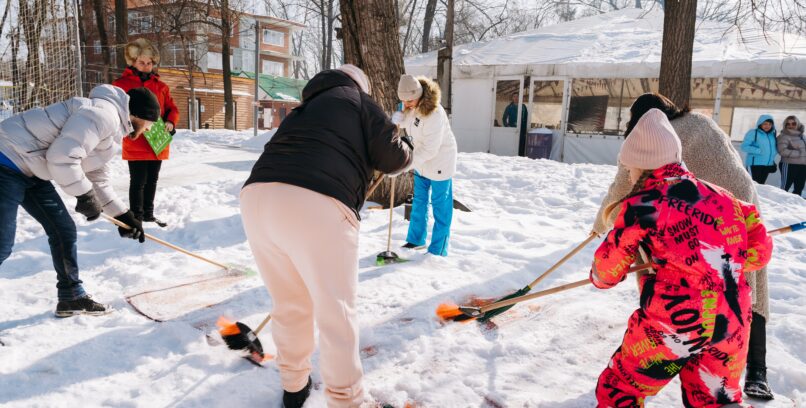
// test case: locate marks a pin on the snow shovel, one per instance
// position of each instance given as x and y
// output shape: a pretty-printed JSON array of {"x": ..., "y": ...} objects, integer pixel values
[
  {"x": 161, "y": 303},
  {"x": 388, "y": 257},
  {"x": 238, "y": 336},
  {"x": 447, "y": 309}
]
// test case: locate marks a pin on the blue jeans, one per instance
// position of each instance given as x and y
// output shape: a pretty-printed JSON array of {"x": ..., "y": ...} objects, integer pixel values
[
  {"x": 39, "y": 198},
  {"x": 442, "y": 201}
]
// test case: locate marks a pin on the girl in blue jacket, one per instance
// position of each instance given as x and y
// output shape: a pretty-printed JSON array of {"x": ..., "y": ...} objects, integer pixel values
[{"x": 760, "y": 146}]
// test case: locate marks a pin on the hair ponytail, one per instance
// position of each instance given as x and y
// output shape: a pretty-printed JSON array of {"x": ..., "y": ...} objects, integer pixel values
[{"x": 638, "y": 186}]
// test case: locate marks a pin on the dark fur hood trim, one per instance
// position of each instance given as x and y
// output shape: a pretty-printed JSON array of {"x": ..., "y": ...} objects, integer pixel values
[{"x": 431, "y": 96}]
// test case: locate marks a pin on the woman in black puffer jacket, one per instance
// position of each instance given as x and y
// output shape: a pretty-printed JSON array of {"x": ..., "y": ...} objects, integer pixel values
[{"x": 300, "y": 212}]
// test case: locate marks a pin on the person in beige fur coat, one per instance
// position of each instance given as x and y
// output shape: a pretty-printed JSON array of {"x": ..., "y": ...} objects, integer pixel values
[{"x": 709, "y": 155}]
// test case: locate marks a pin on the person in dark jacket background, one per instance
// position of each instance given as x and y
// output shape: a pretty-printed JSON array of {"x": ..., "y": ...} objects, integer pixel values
[
  {"x": 510, "y": 119},
  {"x": 300, "y": 212}
]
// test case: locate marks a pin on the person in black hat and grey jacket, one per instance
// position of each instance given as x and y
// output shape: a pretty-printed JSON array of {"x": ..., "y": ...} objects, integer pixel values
[{"x": 69, "y": 142}]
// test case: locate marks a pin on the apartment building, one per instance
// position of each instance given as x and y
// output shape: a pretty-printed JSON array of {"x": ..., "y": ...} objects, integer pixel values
[{"x": 186, "y": 34}]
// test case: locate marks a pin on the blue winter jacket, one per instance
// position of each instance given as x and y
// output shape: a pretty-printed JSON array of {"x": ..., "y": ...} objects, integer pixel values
[{"x": 759, "y": 145}]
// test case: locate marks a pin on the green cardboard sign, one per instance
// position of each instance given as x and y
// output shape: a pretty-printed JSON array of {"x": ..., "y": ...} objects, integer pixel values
[{"x": 158, "y": 137}]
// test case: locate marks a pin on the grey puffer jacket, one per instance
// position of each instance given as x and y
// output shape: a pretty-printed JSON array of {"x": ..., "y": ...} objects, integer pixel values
[
  {"x": 709, "y": 155},
  {"x": 792, "y": 145},
  {"x": 71, "y": 142}
]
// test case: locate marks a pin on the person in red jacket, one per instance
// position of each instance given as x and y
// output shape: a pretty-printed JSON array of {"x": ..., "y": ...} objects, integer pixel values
[
  {"x": 144, "y": 164},
  {"x": 695, "y": 311}
]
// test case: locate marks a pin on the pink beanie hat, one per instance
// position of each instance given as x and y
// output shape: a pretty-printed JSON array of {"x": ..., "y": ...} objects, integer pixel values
[
  {"x": 653, "y": 143},
  {"x": 358, "y": 76}
]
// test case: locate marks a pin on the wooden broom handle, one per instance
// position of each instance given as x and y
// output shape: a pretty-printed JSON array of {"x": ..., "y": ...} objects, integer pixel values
[
  {"x": 263, "y": 324},
  {"x": 374, "y": 186},
  {"x": 167, "y": 244},
  {"x": 556, "y": 289},
  {"x": 563, "y": 259},
  {"x": 391, "y": 212},
  {"x": 567, "y": 286}
]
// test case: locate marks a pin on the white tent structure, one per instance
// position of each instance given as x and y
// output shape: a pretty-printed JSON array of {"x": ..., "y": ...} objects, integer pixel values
[{"x": 577, "y": 80}]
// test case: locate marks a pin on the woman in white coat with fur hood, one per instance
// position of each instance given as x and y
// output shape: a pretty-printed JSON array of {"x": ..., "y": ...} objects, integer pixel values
[{"x": 434, "y": 162}]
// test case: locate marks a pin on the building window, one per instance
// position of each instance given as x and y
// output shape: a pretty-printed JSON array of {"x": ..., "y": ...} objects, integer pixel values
[
  {"x": 273, "y": 37},
  {"x": 96, "y": 47},
  {"x": 273, "y": 68},
  {"x": 174, "y": 56},
  {"x": 140, "y": 22},
  {"x": 214, "y": 60},
  {"x": 217, "y": 23}
]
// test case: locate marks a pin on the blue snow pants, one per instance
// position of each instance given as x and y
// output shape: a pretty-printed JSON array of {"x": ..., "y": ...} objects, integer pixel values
[{"x": 442, "y": 201}]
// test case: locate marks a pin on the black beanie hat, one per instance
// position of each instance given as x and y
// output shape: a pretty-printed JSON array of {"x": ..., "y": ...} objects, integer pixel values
[{"x": 143, "y": 104}]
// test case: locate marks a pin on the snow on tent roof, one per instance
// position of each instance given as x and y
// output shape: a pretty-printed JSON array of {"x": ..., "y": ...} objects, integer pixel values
[{"x": 623, "y": 43}]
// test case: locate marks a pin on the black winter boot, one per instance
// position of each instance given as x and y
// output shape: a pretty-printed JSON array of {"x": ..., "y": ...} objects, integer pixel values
[
  {"x": 82, "y": 305},
  {"x": 297, "y": 399},
  {"x": 152, "y": 218},
  {"x": 755, "y": 378},
  {"x": 755, "y": 384}
]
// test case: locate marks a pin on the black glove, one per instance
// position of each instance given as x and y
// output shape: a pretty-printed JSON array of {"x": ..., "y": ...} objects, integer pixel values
[
  {"x": 87, "y": 205},
  {"x": 136, "y": 231}
]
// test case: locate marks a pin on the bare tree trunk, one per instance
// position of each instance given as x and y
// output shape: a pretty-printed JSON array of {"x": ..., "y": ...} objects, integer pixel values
[
  {"x": 409, "y": 24},
  {"x": 5, "y": 17},
  {"x": 445, "y": 59},
  {"x": 371, "y": 42},
  {"x": 191, "y": 64},
  {"x": 121, "y": 31},
  {"x": 100, "y": 17},
  {"x": 678, "y": 43},
  {"x": 32, "y": 19},
  {"x": 323, "y": 28},
  {"x": 226, "y": 29},
  {"x": 430, "y": 9},
  {"x": 329, "y": 37},
  {"x": 16, "y": 75},
  {"x": 82, "y": 35}
]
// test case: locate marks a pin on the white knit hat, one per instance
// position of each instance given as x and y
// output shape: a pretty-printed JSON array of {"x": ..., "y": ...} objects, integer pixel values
[
  {"x": 357, "y": 75},
  {"x": 653, "y": 143},
  {"x": 409, "y": 88}
]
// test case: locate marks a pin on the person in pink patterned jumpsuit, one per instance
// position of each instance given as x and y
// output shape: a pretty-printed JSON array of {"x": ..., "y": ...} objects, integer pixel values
[{"x": 695, "y": 311}]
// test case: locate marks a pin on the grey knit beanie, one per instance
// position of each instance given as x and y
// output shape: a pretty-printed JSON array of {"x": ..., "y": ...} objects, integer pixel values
[{"x": 409, "y": 88}]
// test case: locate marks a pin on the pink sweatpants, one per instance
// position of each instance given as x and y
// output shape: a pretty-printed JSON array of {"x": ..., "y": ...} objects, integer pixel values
[{"x": 305, "y": 245}]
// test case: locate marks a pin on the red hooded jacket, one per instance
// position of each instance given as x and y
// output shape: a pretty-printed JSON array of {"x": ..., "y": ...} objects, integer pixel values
[{"x": 139, "y": 148}]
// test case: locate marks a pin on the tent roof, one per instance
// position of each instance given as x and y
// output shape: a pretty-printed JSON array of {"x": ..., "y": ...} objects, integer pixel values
[
  {"x": 278, "y": 88},
  {"x": 623, "y": 43}
]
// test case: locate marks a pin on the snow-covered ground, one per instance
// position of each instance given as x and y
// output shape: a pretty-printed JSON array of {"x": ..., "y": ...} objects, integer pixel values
[{"x": 526, "y": 215}]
